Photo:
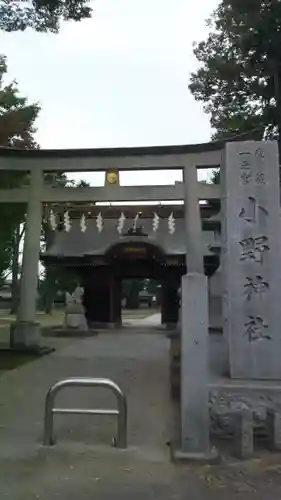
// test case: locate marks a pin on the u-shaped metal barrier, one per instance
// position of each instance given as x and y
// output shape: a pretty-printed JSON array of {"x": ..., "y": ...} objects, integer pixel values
[{"x": 50, "y": 410}]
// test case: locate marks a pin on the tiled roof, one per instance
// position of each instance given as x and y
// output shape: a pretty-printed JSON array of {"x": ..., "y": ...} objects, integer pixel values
[{"x": 75, "y": 243}]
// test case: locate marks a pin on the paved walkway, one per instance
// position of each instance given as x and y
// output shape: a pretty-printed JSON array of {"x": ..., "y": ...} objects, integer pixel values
[
  {"x": 83, "y": 465},
  {"x": 151, "y": 321}
]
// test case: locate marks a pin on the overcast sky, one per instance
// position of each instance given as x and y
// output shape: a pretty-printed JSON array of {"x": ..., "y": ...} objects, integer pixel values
[{"x": 118, "y": 79}]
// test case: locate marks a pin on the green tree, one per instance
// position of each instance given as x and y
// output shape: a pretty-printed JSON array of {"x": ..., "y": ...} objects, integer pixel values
[
  {"x": 41, "y": 15},
  {"x": 17, "y": 118},
  {"x": 130, "y": 290},
  {"x": 239, "y": 78}
]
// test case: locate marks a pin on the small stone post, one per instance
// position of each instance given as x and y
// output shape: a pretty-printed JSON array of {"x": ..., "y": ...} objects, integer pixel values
[
  {"x": 25, "y": 333},
  {"x": 273, "y": 428},
  {"x": 243, "y": 434}
]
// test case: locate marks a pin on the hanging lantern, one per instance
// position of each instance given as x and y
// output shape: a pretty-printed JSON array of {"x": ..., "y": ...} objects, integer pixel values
[
  {"x": 155, "y": 222},
  {"x": 53, "y": 220},
  {"x": 171, "y": 223},
  {"x": 83, "y": 224},
  {"x": 99, "y": 223},
  {"x": 121, "y": 223},
  {"x": 67, "y": 223}
]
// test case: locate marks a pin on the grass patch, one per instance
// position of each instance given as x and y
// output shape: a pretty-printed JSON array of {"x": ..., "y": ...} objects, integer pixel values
[
  {"x": 56, "y": 318},
  {"x": 10, "y": 360}
]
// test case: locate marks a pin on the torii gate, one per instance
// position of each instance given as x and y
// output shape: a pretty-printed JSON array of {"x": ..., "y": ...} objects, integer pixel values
[{"x": 26, "y": 332}]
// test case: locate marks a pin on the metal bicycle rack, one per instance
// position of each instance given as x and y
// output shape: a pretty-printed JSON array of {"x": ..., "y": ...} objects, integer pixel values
[{"x": 120, "y": 413}]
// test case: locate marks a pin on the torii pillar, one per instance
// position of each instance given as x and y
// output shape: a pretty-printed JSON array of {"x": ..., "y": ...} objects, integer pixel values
[
  {"x": 25, "y": 332},
  {"x": 194, "y": 425}
]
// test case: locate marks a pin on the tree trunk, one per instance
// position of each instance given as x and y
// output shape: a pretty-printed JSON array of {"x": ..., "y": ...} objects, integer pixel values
[
  {"x": 49, "y": 290},
  {"x": 15, "y": 270},
  {"x": 49, "y": 274},
  {"x": 49, "y": 296},
  {"x": 277, "y": 94}
]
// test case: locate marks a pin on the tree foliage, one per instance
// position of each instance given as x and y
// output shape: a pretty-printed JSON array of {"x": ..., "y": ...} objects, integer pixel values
[
  {"x": 41, "y": 15},
  {"x": 239, "y": 78},
  {"x": 17, "y": 118},
  {"x": 131, "y": 289}
]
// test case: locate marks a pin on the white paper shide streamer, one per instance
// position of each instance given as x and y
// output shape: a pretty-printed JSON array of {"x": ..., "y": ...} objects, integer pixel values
[
  {"x": 155, "y": 222},
  {"x": 83, "y": 224},
  {"x": 99, "y": 223},
  {"x": 171, "y": 223},
  {"x": 121, "y": 223},
  {"x": 135, "y": 221},
  {"x": 53, "y": 220},
  {"x": 67, "y": 223}
]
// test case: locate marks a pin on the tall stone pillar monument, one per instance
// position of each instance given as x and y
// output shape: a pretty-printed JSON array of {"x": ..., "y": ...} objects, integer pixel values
[
  {"x": 251, "y": 259},
  {"x": 194, "y": 442}
]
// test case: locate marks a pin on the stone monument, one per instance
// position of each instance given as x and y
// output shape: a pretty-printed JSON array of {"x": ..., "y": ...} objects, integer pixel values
[{"x": 251, "y": 259}]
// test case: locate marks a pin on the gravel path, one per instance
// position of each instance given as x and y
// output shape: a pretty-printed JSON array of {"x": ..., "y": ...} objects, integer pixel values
[{"x": 83, "y": 465}]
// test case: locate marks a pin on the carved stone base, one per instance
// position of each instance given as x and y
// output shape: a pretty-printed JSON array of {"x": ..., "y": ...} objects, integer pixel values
[
  {"x": 75, "y": 320},
  {"x": 25, "y": 335}
]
